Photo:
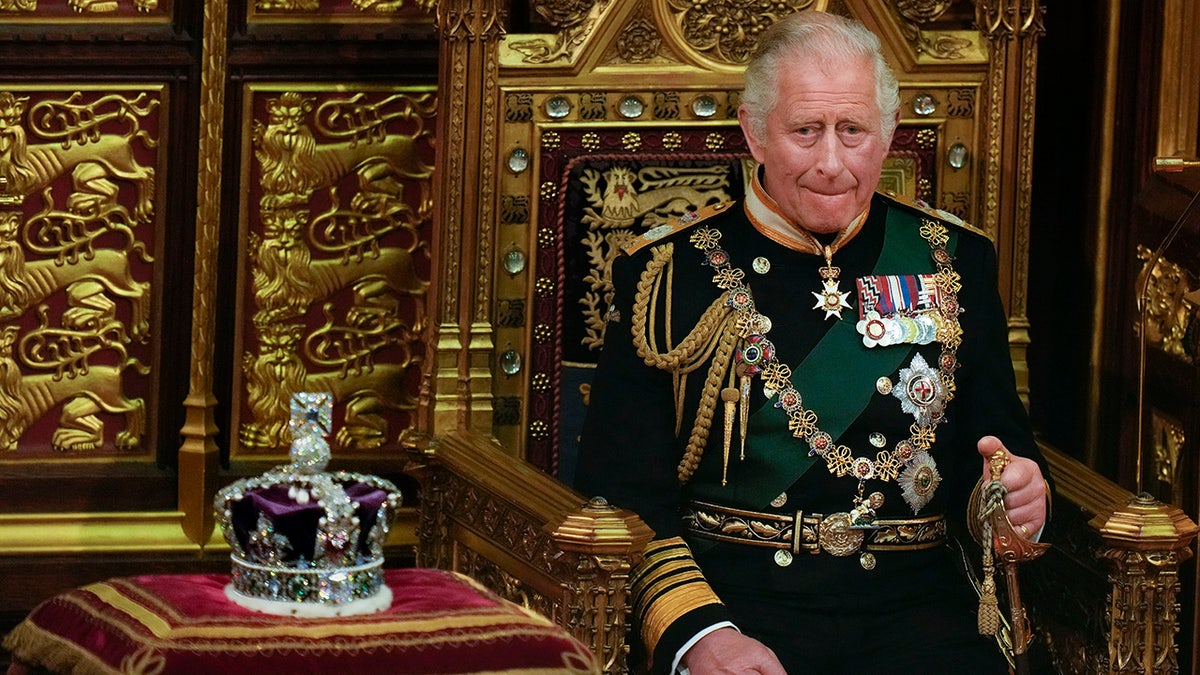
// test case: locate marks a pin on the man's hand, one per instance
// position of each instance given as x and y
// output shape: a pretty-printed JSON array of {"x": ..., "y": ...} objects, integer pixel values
[
  {"x": 1026, "y": 498},
  {"x": 725, "y": 650}
]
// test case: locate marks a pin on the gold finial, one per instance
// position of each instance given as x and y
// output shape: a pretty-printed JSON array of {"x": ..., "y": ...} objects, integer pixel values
[{"x": 997, "y": 462}]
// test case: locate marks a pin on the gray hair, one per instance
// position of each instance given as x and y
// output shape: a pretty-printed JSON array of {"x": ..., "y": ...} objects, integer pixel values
[{"x": 821, "y": 36}]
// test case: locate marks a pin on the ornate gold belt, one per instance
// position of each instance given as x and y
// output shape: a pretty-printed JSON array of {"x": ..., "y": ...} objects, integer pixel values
[{"x": 806, "y": 532}]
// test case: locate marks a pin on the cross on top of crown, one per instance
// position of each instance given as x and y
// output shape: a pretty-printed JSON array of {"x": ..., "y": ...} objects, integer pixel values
[
  {"x": 312, "y": 418},
  {"x": 312, "y": 412}
]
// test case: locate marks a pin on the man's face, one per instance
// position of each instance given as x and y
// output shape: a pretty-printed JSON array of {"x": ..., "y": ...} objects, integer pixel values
[{"x": 823, "y": 146}]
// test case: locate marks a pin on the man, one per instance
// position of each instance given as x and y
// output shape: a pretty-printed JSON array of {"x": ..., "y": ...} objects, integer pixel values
[{"x": 799, "y": 464}]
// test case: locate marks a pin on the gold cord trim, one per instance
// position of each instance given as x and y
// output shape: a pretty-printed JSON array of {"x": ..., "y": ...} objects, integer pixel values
[
  {"x": 708, "y": 402},
  {"x": 713, "y": 337}
]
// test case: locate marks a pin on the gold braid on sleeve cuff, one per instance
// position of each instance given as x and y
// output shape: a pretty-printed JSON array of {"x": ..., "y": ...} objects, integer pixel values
[{"x": 667, "y": 585}]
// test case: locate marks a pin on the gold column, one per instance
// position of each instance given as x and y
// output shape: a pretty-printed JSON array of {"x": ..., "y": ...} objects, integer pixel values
[
  {"x": 1012, "y": 28},
  {"x": 1146, "y": 541},
  {"x": 199, "y": 455},
  {"x": 458, "y": 387},
  {"x": 1104, "y": 184}
]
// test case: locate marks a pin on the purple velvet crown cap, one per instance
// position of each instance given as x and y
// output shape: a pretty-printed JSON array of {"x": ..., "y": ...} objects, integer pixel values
[{"x": 299, "y": 523}]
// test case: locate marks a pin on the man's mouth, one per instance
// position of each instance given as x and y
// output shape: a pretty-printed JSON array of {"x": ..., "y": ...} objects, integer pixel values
[{"x": 827, "y": 190}]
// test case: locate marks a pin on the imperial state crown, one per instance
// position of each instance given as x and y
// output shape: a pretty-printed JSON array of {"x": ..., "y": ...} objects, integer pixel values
[{"x": 303, "y": 541}]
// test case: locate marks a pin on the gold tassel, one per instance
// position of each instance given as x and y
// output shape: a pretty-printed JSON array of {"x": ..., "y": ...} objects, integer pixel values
[
  {"x": 989, "y": 611},
  {"x": 710, "y": 341},
  {"x": 730, "y": 396}
]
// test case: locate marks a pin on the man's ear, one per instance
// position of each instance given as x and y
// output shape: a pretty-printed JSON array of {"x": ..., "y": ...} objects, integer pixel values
[{"x": 753, "y": 142}]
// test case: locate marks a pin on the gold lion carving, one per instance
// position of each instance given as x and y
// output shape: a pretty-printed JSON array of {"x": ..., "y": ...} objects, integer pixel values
[
  {"x": 273, "y": 375},
  {"x": 83, "y": 392},
  {"x": 1170, "y": 302},
  {"x": 380, "y": 6},
  {"x": 288, "y": 5},
  {"x": 384, "y": 6},
  {"x": 105, "y": 6},
  {"x": 294, "y": 164},
  {"x": 297, "y": 263},
  {"x": 287, "y": 280},
  {"x": 29, "y": 168},
  {"x": 25, "y": 284}
]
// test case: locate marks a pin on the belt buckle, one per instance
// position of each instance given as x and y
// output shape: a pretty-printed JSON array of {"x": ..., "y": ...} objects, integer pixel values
[{"x": 837, "y": 537}]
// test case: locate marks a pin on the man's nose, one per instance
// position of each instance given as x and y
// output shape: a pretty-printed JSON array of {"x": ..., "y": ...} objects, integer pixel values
[{"x": 830, "y": 155}]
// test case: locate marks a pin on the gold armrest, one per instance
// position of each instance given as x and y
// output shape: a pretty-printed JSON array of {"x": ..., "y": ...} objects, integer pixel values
[{"x": 528, "y": 537}]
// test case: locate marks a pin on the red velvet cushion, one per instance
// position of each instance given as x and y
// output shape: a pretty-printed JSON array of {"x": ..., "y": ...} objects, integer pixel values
[{"x": 439, "y": 622}]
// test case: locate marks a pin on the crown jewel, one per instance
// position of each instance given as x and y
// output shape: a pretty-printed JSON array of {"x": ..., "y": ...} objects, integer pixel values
[{"x": 304, "y": 541}]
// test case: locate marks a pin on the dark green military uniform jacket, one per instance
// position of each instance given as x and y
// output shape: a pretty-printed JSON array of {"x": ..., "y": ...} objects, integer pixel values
[{"x": 633, "y": 440}]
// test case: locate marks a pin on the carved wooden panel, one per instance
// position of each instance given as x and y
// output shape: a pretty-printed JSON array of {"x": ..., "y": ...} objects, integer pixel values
[
  {"x": 187, "y": 200},
  {"x": 549, "y": 551},
  {"x": 337, "y": 222},
  {"x": 1170, "y": 394},
  {"x": 1172, "y": 307},
  {"x": 79, "y": 234}
]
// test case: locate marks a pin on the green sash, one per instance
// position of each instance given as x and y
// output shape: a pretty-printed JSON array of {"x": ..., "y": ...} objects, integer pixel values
[{"x": 836, "y": 380}]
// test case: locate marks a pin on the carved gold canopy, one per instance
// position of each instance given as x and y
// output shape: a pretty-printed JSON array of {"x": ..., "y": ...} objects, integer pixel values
[{"x": 561, "y": 146}]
